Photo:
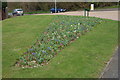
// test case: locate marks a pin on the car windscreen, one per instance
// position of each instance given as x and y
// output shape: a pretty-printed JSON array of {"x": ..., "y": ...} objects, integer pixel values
[{"x": 19, "y": 10}]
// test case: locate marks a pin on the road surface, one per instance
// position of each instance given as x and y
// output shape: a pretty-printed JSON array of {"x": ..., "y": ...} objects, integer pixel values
[{"x": 101, "y": 13}]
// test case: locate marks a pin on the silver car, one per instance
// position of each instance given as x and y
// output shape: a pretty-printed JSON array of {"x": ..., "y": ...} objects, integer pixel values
[{"x": 18, "y": 12}]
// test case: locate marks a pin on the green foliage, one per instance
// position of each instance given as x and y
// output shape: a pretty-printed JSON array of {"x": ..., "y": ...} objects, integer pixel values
[
  {"x": 4, "y": 4},
  {"x": 46, "y": 6}
]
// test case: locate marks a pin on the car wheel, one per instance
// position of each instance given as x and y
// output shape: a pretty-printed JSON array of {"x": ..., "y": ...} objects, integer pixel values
[
  {"x": 13, "y": 14},
  {"x": 58, "y": 11},
  {"x": 51, "y": 12}
]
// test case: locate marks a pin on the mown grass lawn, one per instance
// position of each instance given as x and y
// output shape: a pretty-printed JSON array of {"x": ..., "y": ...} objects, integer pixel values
[
  {"x": 108, "y": 7},
  {"x": 37, "y": 12},
  {"x": 84, "y": 58}
]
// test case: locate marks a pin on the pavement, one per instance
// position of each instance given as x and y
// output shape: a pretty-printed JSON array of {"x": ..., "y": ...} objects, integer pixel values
[{"x": 111, "y": 69}]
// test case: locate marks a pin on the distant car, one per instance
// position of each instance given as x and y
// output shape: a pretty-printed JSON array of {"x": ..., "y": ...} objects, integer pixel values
[
  {"x": 18, "y": 12},
  {"x": 57, "y": 10}
]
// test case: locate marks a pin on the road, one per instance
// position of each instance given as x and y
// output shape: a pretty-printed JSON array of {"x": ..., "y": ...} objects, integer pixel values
[{"x": 101, "y": 13}]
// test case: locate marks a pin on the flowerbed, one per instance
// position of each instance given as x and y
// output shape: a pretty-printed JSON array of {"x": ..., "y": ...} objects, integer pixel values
[{"x": 62, "y": 31}]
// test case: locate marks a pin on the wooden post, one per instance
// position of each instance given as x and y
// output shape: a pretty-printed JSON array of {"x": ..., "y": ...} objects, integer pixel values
[
  {"x": 3, "y": 14},
  {"x": 55, "y": 7},
  {"x": 0, "y": 14},
  {"x": 6, "y": 12}
]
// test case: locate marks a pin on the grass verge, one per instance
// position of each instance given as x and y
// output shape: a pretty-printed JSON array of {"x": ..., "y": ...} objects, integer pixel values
[
  {"x": 37, "y": 12},
  {"x": 108, "y": 7},
  {"x": 84, "y": 58}
]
